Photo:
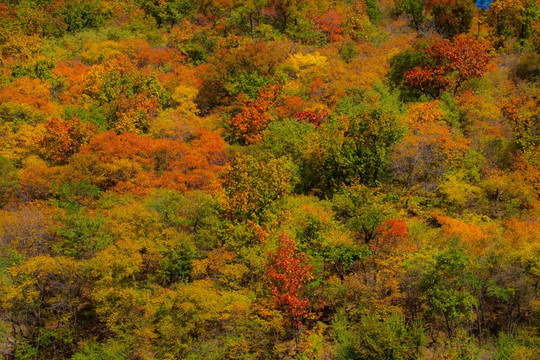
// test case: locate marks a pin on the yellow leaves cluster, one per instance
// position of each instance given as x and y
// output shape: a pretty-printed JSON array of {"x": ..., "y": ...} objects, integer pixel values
[
  {"x": 516, "y": 185},
  {"x": 168, "y": 320},
  {"x": 219, "y": 267},
  {"x": 377, "y": 288},
  {"x": 35, "y": 276},
  {"x": 253, "y": 184},
  {"x": 430, "y": 146},
  {"x": 300, "y": 62},
  {"x": 184, "y": 96},
  {"x": 97, "y": 51},
  {"x": 371, "y": 62},
  {"x": 506, "y": 6},
  {"x": 521, "y": 244},
  {"x": 20, "y": 144},
  {"x": 19, "y": 46},
  {"x": 481, "y": 115},
  {"x": 425, "y": 113},
  {"x": 29, "y": 228},
  {"x": 25, "y": 90},
  {"x": 457, "y": 190},
  {"x": 96, "y": 75},
  {"x": 316, "y": 218},
  {"x": 305, "y": 67},
  {"x": 180, "y": 34}
]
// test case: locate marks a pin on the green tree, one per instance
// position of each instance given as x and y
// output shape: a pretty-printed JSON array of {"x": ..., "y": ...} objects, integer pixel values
[
  {"x": 168, "y": 12},
  {"x": 414, "y": 10},
  {"x": 373, "y": 337},
  {"x": 445, "y": 285},
  {"x": 353, "y": 146},
  {"x": 82, "y": 14},
  {"x": 452, "y": 17}
]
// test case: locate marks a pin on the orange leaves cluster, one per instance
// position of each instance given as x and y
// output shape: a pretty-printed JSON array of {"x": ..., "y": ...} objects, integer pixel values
[
  {"x": 198, "y": 165},
  {"x": 290, "y": 106},
  {"x": 5, "y": 11},
  {"x": 130, "y": 162},
  {"x": 36, "y": 179},
  {"x": 73, "y": 75},
  {"x": 146, "y": 55},
  {"x": 427, "y": 123},
  {"x": 470, "y": 235},
  {"x": 64, "y": 137},
  {"x": 25, "y": 90},
  {"x": 331, "y": 24},
  {"x": 254, "y": 116},
  {"x": 391, "y": 235},
  {"x": 522, "y": 233},
  {"x": 520, "y": 112},
  {"x": 429, "y": 147}
]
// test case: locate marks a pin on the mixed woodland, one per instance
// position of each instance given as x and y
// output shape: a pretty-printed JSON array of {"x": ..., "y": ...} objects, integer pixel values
[{"x": 269, "y": 179}]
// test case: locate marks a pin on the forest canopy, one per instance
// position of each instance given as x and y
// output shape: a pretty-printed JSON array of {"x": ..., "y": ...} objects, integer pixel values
[{"x": 269, "y": 179}]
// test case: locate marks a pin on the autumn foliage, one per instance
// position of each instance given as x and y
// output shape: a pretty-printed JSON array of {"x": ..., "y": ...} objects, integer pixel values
[
  {"x": 269, "y": 179},
  {"x": 450, "y": 64},
  {"x": 288, "y": 270},
  {"x": 253, "y": 117}
]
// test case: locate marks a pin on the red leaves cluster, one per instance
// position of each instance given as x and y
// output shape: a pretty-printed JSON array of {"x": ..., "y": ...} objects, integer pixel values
[
  {"x": 466, "y": 55},
  {"x": 391, "y": 235},
  {"x": 450, "y": 64},
  {"x": 312, "y": 117},
  {"x": 424, "y": 79},
  {"x": 288, "y": 271}
]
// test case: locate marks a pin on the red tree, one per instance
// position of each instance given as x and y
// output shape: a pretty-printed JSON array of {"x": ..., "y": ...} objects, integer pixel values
[
  {"x": 288, "y": 270},
  {"x": 451, "y": 64},
  {"x": 312, "y": 117}
]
